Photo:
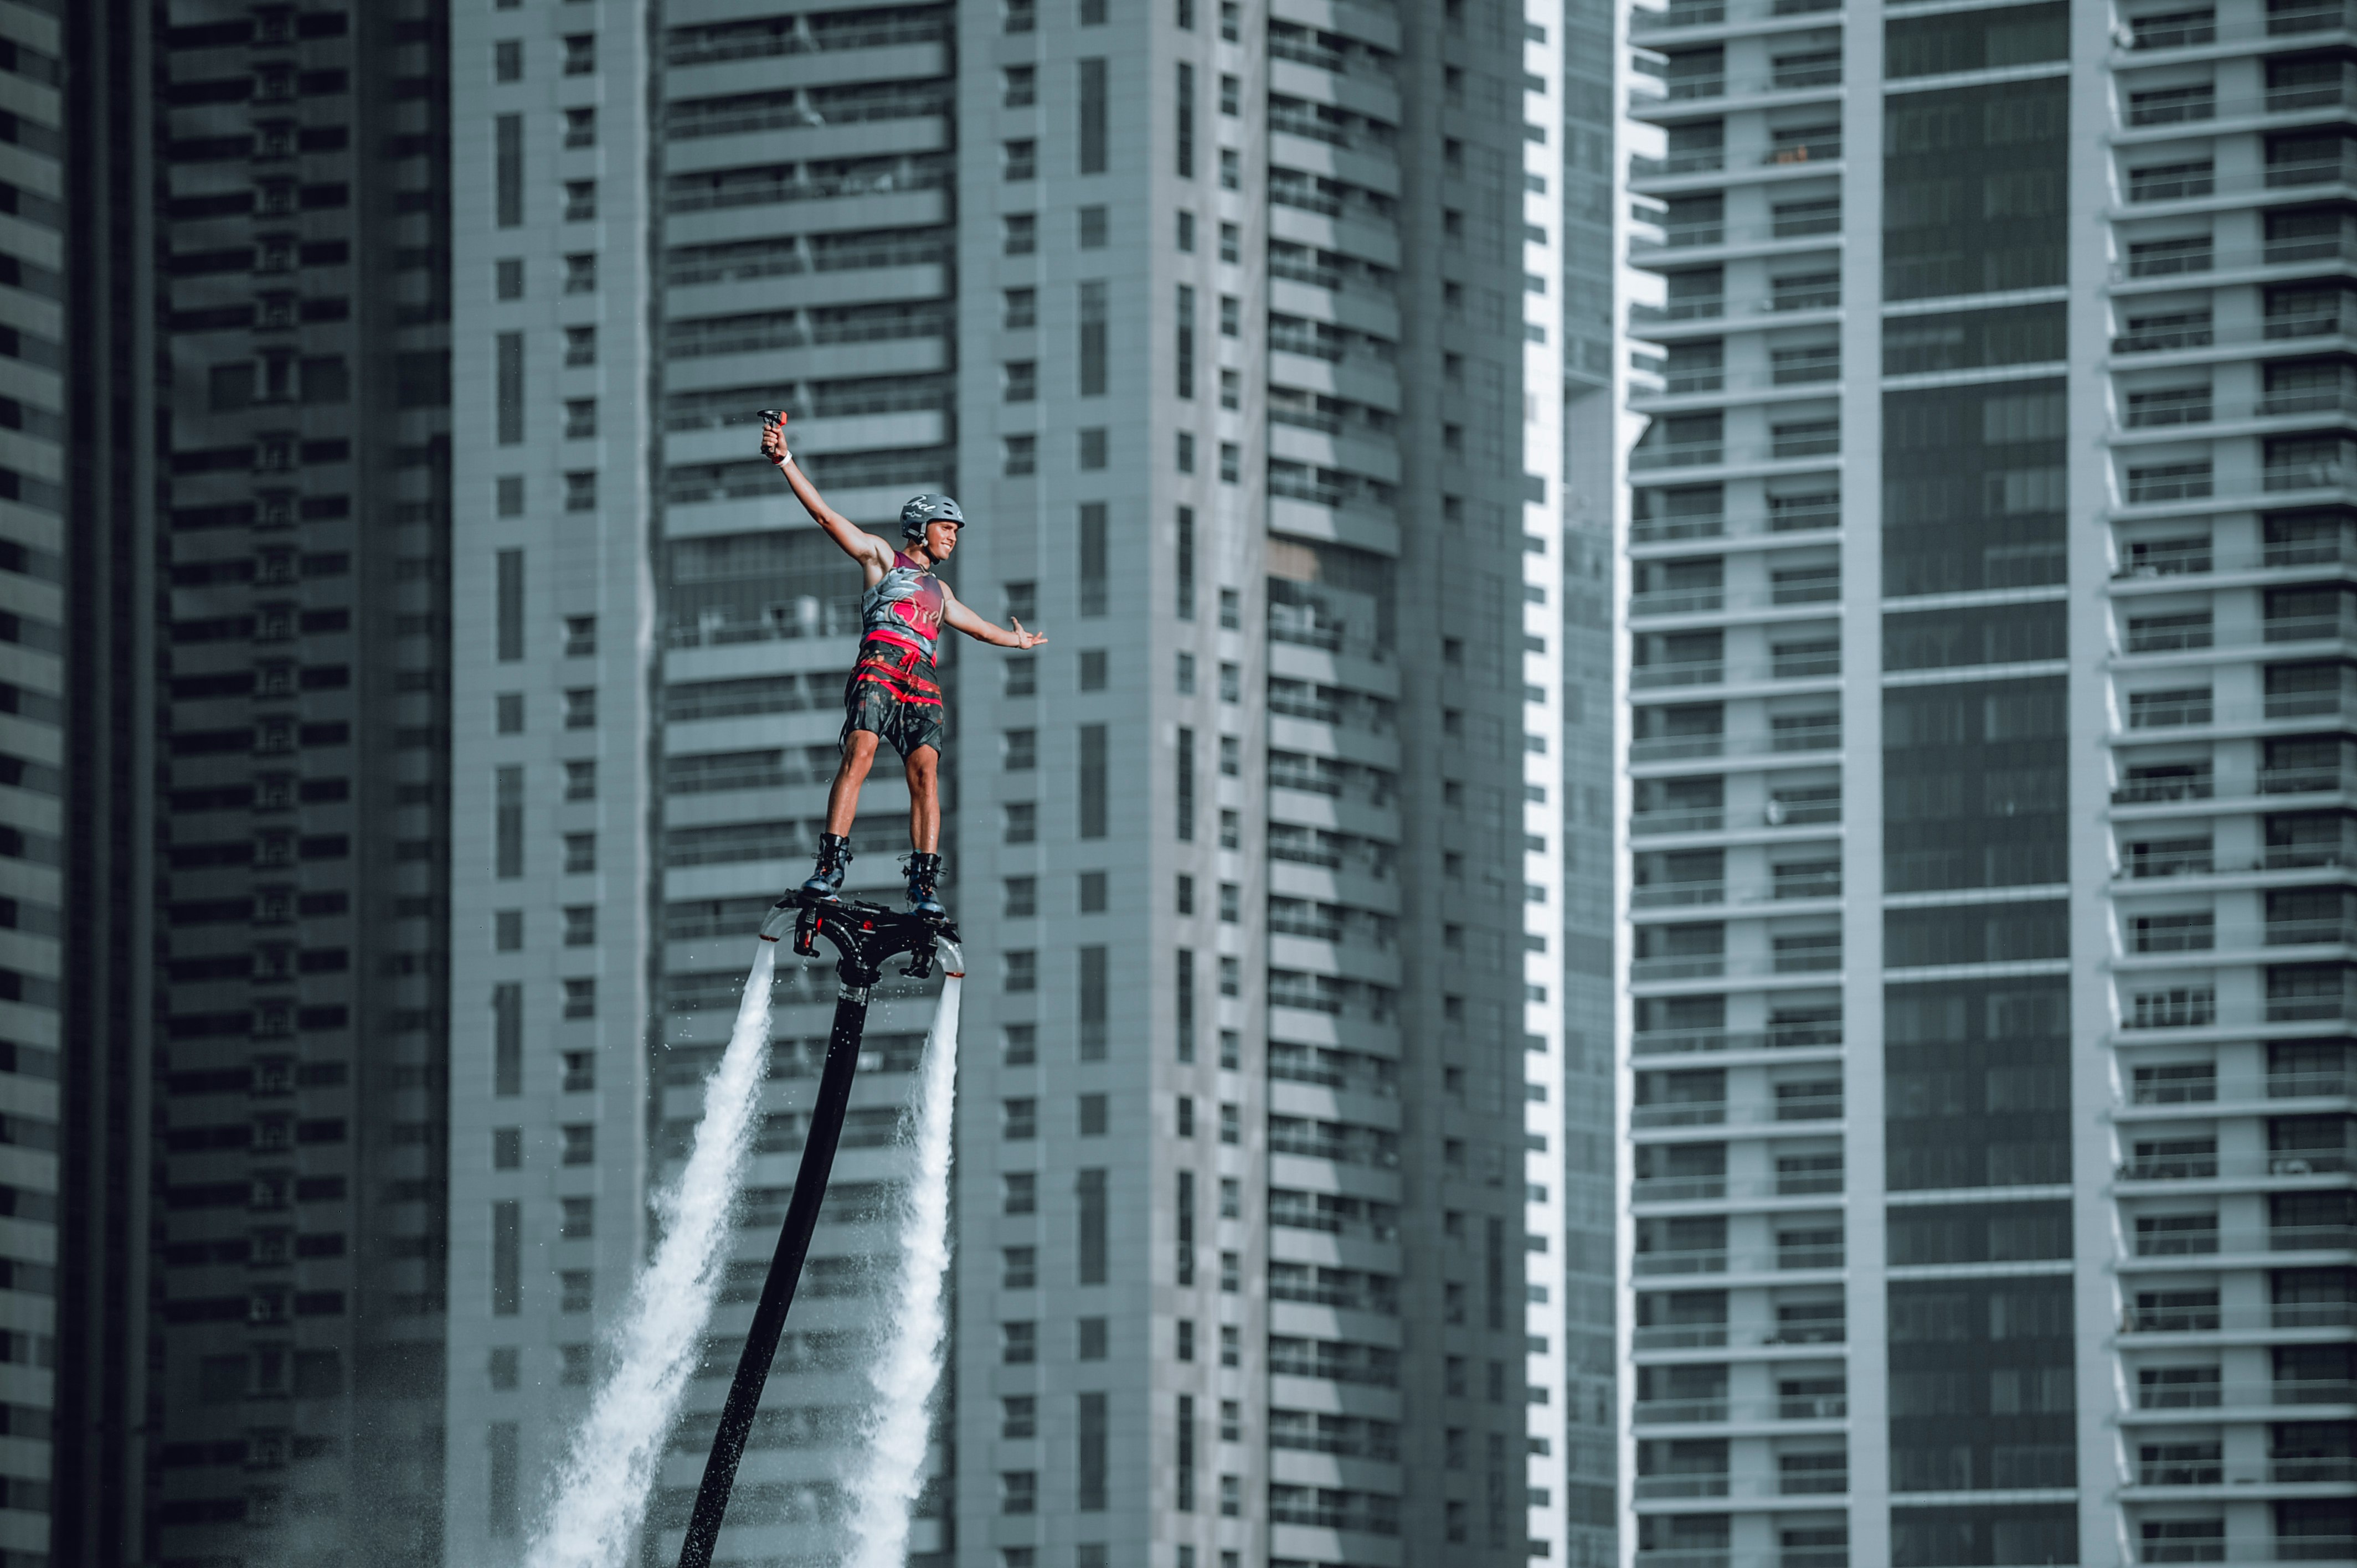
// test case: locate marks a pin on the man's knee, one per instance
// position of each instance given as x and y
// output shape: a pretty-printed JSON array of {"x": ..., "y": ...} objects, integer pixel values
[
  {"x": 858, "y": 752},
  {"x": 923, "y": 769}
]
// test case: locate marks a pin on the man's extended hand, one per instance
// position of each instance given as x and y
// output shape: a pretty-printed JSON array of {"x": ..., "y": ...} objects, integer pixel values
[
  {"x": 773, "y": 442},
  {"x": 1025, "y": 638}
]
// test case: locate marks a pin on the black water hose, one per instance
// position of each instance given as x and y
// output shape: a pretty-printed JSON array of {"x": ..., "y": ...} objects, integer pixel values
[{"x": 785, "y": 1271}]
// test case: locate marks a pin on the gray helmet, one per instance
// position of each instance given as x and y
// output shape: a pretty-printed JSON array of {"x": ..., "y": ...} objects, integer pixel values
[{"x": 919, "y": 510}]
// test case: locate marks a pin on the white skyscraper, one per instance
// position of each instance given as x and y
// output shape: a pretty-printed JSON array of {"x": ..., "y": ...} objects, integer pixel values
[{"x": 1990, "y": 1119}]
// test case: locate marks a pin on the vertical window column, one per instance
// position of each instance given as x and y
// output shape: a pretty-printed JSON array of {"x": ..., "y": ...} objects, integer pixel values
[
  {"x": 507, "y": 1258},
  {"x": 508, "y": 593},
  {"x": 1186, "y": 781},
  {"x": 1093, "y": 116},
  {"x": 1093, "y": 328},
  {"x": 1093, "y": 781},
  {"x": 1090, "y": 1492},
  {"x": 1185, "y": 140},
  {"x": 1089, "y": 1186},
  {"x": 507, "y": 824},
  {"x": 507, "y": 170},
  {"x": 507, "y": 1037}
]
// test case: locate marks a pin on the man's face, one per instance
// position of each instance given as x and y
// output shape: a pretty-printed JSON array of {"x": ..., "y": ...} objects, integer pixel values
[{"x": 941, "y": 538}]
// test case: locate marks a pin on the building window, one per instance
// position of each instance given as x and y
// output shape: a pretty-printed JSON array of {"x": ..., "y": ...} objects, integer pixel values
[
  {"x": 1020, "y": 381},
  {"x": 1095, "y": 229},
  {"x": 579, "y": 1219},
  {"x": 1019, "y": 234},
  {"x": 581, "y": 780},
  {"x": 581, "y": 708},
  {"x": 1019, "y": 1193},
  {"x": 1021, "y": 456},
  {"x": 1022, "y": 897},
  {"x": 1022, "y": 310},
  {"x": 580, "y": 1144},
  {"x": 1019, "y": 750},
  {"x": 581, "y": 490},
  {"x": 1022, "y": 969},
  {"x": 1018, "y": 87},
  {"x": 581, "y": 998},
  {"x": 1185, "y": 149},
  {"x": 581, "y": 273},
  {"x": 1019, "y": 160},
  {"x": 581, "y": 127},
  {"x": 1230, "y": 462},
  {"x": 580, "y": 202},
  {"x": 1020, "y": 1268},
  {"x": 1018, "y": 1119},
  {"x": 1092, "y": 115},
  {"x": 580, "y": 853},
  {"x": 1022, "y": 821},
  {"x": 580, "y": 54}
]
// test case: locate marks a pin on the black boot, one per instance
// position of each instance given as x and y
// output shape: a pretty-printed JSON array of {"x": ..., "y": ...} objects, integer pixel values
[
  {"x": 825, "y": 880},
  {"x": 924, "y": 886}
]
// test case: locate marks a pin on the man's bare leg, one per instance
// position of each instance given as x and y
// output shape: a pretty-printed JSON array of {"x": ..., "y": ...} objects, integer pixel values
[
  {"x": 924, "y": 799},
  {"x": 843, "y": 798}
]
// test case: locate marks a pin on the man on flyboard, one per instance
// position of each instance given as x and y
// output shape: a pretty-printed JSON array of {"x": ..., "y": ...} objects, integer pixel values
[{"x": 894, "y": 693}]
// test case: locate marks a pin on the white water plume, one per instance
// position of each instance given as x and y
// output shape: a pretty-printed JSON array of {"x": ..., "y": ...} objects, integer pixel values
[
  {"x": 600, "y": 1496},
  {"x": 909, "y": 1361}
]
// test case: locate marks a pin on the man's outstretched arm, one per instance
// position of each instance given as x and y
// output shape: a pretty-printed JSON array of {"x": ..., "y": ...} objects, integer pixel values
[
  {"x": 955, "y": 614},
  {"x": 858, "y": 543}
]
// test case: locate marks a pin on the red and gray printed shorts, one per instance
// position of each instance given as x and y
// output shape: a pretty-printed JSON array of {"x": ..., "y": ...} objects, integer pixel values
[{"x": 893, "y": 694}]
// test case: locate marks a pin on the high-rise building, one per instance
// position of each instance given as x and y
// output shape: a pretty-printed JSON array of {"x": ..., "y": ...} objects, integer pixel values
[
  {"x": 1991, "y": 1121},
  {"x": 34, "y": 746},
  {"x": 1588, "y": 583},
  {"x": 1237, "y": 333},
  {"x": 255, "y": 1092},
  {"x": 1245, "y": 1185}
]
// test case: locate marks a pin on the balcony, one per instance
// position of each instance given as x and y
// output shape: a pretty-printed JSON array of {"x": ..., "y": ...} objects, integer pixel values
[
  {"x": 2190, "y": 29},
  {"x": 1677, "y": 672},
  {"x": 1671, "y": 895},
  {"x": 1685, "y": 1042},
  {"x": 1717, "y": 1189},
  {"x": 2211, "y": 1320},
  {"x": 1717, "y": 1113},
  {"x": 2290, "y": 175},
  {"x": 1813, "y": 736},
  {"x": 1699, "y": 162},
  {"x": 2278, "y": 1164},
  {"x": 1788, "y": 1407},
  {"x": 1644, "y": 23}
]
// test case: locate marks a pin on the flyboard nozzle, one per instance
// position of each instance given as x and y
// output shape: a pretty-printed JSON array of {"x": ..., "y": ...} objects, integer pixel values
[{"x": 952, "y": 958}]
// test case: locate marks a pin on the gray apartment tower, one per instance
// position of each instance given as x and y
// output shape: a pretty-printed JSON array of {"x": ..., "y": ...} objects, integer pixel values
[
  {"x": 1991, "y": 544},
  {"x": 33, "y": 746},
  {"x": 1237, "y": 329},
  {"x": 259, "y": 645}
]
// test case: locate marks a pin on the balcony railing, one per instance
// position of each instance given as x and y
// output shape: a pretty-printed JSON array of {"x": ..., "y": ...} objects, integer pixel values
[
  {"x": 2211, "y": 1320},
  {"x": 1790, "y": 1407},
  {"x": 1644, "y": 22},
  {"x": 2281, "y": 1164},
  {"x": 1788, "y": 1036},
  {"x": 1670, "y": 895},
  {"x": 1677, "y": 672}
]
